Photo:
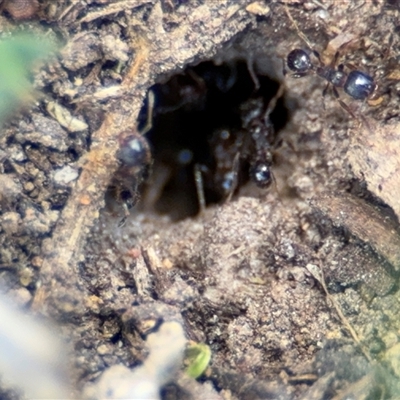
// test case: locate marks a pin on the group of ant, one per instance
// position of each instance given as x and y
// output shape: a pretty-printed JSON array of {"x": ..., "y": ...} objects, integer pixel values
[{"x": 135, "y": 154}]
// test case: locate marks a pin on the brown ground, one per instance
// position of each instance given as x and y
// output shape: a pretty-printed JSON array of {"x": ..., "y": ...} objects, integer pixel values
[{"x": 242, "y": 276}]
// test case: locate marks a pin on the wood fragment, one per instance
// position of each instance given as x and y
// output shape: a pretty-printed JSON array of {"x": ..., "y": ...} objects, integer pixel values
[
  {"x": 363, "y": 221},
  {"x": 113, "y": 8},
  {"x": 59, "y": 292},
  {"x": 374, "y": 156}
]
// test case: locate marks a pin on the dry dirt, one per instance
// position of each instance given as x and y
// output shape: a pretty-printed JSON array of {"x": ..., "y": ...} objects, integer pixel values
[{"x": 294, "y": 287}]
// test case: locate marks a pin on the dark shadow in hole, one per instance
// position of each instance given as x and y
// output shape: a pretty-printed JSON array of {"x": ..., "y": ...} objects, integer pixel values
[{"x": 192, "y": 111}]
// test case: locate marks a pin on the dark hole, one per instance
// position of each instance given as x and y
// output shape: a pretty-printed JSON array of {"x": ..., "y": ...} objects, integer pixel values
[{"x": 196, "y": 114}]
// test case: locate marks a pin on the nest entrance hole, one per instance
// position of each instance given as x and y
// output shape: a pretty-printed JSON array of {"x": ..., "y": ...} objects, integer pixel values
[{"x": 195, "y": 112}]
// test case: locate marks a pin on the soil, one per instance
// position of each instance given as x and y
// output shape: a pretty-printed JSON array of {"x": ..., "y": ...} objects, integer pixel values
[{"x": 293, "y": 287}]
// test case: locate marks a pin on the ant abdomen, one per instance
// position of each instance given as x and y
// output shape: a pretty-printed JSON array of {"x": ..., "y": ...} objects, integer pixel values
[{"x": 359, "y": 85}]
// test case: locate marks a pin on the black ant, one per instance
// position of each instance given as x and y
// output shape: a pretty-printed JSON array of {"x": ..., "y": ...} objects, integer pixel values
[
  {"x": 357, "y": 84},
  {"x": 248, "y": 145},
  {"x": 135, "y": 159},
  {"x": 256, "y": 121}
]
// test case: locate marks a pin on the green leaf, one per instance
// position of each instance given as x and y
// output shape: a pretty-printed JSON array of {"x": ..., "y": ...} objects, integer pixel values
[
  {"x": 19, "y": 54},
  {"x": 197, "y": 358}
]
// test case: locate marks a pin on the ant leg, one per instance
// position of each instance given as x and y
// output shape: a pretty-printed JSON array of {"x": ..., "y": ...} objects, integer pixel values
[
  {"x": 284, "y": 70},
  {"x": 126, "y": 213},
  {"x": 334, "y": 61},
  {"x": 299, "y": 32},
  {"x": 235, "y": 169},
  {"x": 350, "y": 111},
  {"x": 342, "y": 103},
  {"x": 150, "y": 109},
  {"x": 250, "y": 68},
  {"x": 351, "y": 67},
  {"x": 157, "y": 182},
  {"x": 272, "y": 103},
  {"x": 335, "y": 92},
  {"x": 361, "y": 117},
  {"x": 366, "y": 124},
  {"x": 198, "y": 179},
  {"x": 276, "y": 187},
  {"x": 347, "y": 108},
  {"x": 325, "y": 91},
  {"x": 318, "y": 56}
]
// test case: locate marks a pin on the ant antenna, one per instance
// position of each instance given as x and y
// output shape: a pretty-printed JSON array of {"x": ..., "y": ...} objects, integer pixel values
[
  {"x": 273, "y": 101},
  {"x": 299, "y": 32},
  {"x": 276, "y": 188},
  {"x": 123, "y": 220},
  {"x": 235, "y": 168},
  {"x": 253, "y": 76}
]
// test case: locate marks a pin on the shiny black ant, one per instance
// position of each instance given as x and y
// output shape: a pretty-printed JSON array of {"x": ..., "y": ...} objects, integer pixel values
[
  {"x": 250, "y": 145},
  {"x": 357, "y": 84},
  {"x": 256, "y": 121},
  {"x": 135, "y": 158}
]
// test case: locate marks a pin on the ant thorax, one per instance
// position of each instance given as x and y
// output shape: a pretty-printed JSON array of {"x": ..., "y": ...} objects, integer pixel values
[{"x": 337, "y": 78}]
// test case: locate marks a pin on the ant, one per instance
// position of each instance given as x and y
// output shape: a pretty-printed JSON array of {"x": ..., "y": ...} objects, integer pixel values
[
  {"x": 256, "y": 121},
  {"x": 250, "y": 145},
  {"x": 357, "y": 84},
  {"x": 135, "y": 159}
]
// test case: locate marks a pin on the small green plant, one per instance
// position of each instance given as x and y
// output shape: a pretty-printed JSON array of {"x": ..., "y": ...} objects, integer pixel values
[
  {"x": 19, "y": 54},
  {"x": 197, "y": 358}
]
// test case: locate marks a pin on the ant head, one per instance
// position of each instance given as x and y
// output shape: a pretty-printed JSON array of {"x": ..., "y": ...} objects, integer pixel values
[
  {"x": 134, "y": 150},
  {"x": 359, "y": 85},
  {"x": 299, "y": 61},
  {"x": 260, "y": 173}
]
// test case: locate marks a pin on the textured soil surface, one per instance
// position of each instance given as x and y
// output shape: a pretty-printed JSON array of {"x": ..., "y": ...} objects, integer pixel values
[{"x": 293, "y": 287}]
